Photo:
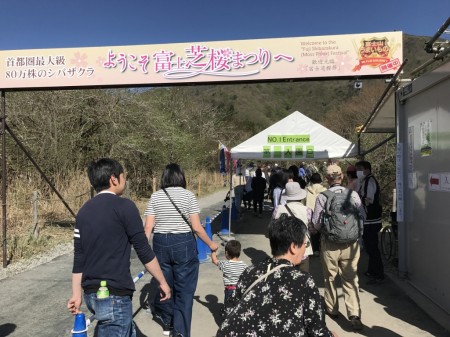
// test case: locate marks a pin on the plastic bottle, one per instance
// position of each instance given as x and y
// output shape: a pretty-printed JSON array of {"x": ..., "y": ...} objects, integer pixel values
[{"x": 103, "y": 291}]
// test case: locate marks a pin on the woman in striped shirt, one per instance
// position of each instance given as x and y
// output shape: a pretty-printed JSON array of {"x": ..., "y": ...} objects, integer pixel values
[{"x": 172, "y": 215}]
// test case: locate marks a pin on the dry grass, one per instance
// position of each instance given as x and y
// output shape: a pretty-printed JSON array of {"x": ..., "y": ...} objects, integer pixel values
[{"x": 55, "y": 223}]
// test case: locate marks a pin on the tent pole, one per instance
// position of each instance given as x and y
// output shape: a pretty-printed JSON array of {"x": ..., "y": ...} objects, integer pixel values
[
  {"x": 3, "y": 131},
  {"x": 231, "y": 200}
]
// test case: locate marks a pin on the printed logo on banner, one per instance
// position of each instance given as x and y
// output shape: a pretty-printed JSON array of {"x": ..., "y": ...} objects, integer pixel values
[{"x": 376, "y": 52}]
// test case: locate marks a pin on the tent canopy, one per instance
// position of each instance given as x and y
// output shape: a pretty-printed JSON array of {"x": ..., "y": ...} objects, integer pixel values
[{"x": 295, "y": 137}]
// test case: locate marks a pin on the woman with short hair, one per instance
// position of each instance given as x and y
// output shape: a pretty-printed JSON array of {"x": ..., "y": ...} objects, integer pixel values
[{"x": 273, "y": 298}]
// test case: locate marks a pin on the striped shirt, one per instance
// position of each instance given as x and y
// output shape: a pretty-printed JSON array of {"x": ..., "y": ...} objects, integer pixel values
[
  {"x": 232, "y": 270},
  {"x": 167, "y": 218}
]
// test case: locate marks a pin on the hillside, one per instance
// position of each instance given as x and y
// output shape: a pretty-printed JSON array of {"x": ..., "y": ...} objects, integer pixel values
[{"x": 251, "y": 107}]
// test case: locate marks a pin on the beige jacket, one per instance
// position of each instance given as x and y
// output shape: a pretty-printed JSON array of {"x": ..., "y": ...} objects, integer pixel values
[{"x": 312, "y": 191}]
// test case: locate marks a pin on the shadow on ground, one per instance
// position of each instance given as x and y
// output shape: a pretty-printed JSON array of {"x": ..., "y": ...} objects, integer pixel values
[
  {"x": 215, "y": 307},
  {"x": 7, "y": 329}
]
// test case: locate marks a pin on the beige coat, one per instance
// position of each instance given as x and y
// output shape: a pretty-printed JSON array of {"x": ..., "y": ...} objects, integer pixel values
[{"x": 312, "y": 191}]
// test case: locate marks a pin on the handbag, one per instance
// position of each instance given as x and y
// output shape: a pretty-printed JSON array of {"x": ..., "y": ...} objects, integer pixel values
[{"x": 183, "y": 216}]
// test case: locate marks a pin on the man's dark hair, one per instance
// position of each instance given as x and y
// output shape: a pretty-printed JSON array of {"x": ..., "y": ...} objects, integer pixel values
[
  {"x": 364, "y": 164},
  {"x": 173, "y": 176},
  {"x": 233, "y": 249},
  {"x": 278, "y": 179},
  {"x": 100, "y": 172},
  {"x": 258, "y": 172},
  {"x": 316, "y": 178},
  {"x": 283, "y": 232},
  {"x": 294, "y": 170}
]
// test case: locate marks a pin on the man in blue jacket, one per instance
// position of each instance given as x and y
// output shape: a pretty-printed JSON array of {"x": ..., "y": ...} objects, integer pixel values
[{"x": 106, "y": 227}]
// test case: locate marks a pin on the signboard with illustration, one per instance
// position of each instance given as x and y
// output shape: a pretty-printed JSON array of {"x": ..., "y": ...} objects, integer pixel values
[{"x": 356, "y": 55}]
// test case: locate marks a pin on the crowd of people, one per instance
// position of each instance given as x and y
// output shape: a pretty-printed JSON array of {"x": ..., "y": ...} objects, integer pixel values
[
  {"x": 300, "y": 193},
  {"x": 277, "y": 296}
]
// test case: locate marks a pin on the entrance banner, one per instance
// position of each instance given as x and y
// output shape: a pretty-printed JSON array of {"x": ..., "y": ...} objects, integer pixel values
[{"x": 356, "y": 55}]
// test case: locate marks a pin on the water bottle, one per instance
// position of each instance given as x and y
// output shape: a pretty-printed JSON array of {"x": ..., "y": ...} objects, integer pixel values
[{"x": 103, "y": 291}]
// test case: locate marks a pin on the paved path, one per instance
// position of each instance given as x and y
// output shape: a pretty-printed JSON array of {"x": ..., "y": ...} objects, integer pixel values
[{"x": 33, "y": 303}]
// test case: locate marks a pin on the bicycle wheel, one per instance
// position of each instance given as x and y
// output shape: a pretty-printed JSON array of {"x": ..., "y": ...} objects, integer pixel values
[{"x": 387, "y": 242}]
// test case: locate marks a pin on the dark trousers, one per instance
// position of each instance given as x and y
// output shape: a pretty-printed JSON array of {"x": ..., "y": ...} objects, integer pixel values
[
  {"x": 370, "y": 238},
  {"x": 247, "y": 198},
  {"x": 315, "y": 242},
  {"x": 258, "y": 203},
  {"x": 179, "y": 263}
]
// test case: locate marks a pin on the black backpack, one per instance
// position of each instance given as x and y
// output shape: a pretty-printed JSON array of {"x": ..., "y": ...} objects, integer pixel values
[{"x": 340, "y": 218}]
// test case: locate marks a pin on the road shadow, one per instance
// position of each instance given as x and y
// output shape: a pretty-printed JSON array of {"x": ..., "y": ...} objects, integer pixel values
[
  {"x": 213, "y": 305},
  {"x": 6, "y": 329},
  {"x": 397, "y": 304},
  {"x": 148, "y": 294},
  {"x": 246, "y": 223},
  {"x": 255, "y": 255}
]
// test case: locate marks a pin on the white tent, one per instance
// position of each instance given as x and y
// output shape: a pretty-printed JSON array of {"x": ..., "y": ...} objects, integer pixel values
[{"x": 295, "y": 137}]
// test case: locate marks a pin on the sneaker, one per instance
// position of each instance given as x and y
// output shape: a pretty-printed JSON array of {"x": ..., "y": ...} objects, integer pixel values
[
  {"x": 166, "y": 326},
  {"x": 166, "y": 329},
  {"x": 356, "y": 322}
]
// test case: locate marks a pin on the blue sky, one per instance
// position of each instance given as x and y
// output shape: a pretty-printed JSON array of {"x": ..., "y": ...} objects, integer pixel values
[{"x": 31, "y": 24}]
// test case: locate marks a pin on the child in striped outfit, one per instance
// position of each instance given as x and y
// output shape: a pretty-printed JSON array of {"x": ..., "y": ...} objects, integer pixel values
[{"x": 231, "y": 268}]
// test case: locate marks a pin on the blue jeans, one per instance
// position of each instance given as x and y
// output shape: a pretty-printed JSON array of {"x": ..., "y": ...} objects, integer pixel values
[
  {"x": 228, "y": 294},
  {"x": 177, "y": 256},
  {"x": 113, "y": 314}
]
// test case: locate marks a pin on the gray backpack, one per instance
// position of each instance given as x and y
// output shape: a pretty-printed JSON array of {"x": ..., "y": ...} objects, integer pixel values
[{"x": 340, "y": 218}]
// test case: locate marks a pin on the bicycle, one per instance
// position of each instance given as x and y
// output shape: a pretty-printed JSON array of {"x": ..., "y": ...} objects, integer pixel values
[{"x": 389, "y": 239}]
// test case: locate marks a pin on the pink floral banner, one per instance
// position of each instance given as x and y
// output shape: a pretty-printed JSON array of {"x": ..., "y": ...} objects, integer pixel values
[{"x": 357, "y": 55}]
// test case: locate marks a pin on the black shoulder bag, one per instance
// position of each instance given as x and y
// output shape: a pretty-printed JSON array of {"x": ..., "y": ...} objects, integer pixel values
[{"x": 183, "y": 216}]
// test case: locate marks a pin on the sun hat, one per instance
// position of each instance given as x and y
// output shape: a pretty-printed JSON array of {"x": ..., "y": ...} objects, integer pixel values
[
  {"x": 334, "y": 171},
  {"x": 293, "y": 191}
]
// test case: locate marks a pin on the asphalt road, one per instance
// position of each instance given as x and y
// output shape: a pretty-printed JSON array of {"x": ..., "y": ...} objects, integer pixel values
[{"x": 33, "y": 303}]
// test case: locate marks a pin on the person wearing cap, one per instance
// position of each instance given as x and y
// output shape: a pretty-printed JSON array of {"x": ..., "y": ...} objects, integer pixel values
[
  {"x": 339, "y": 258},
  {"x": 292, "y": 205}
]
